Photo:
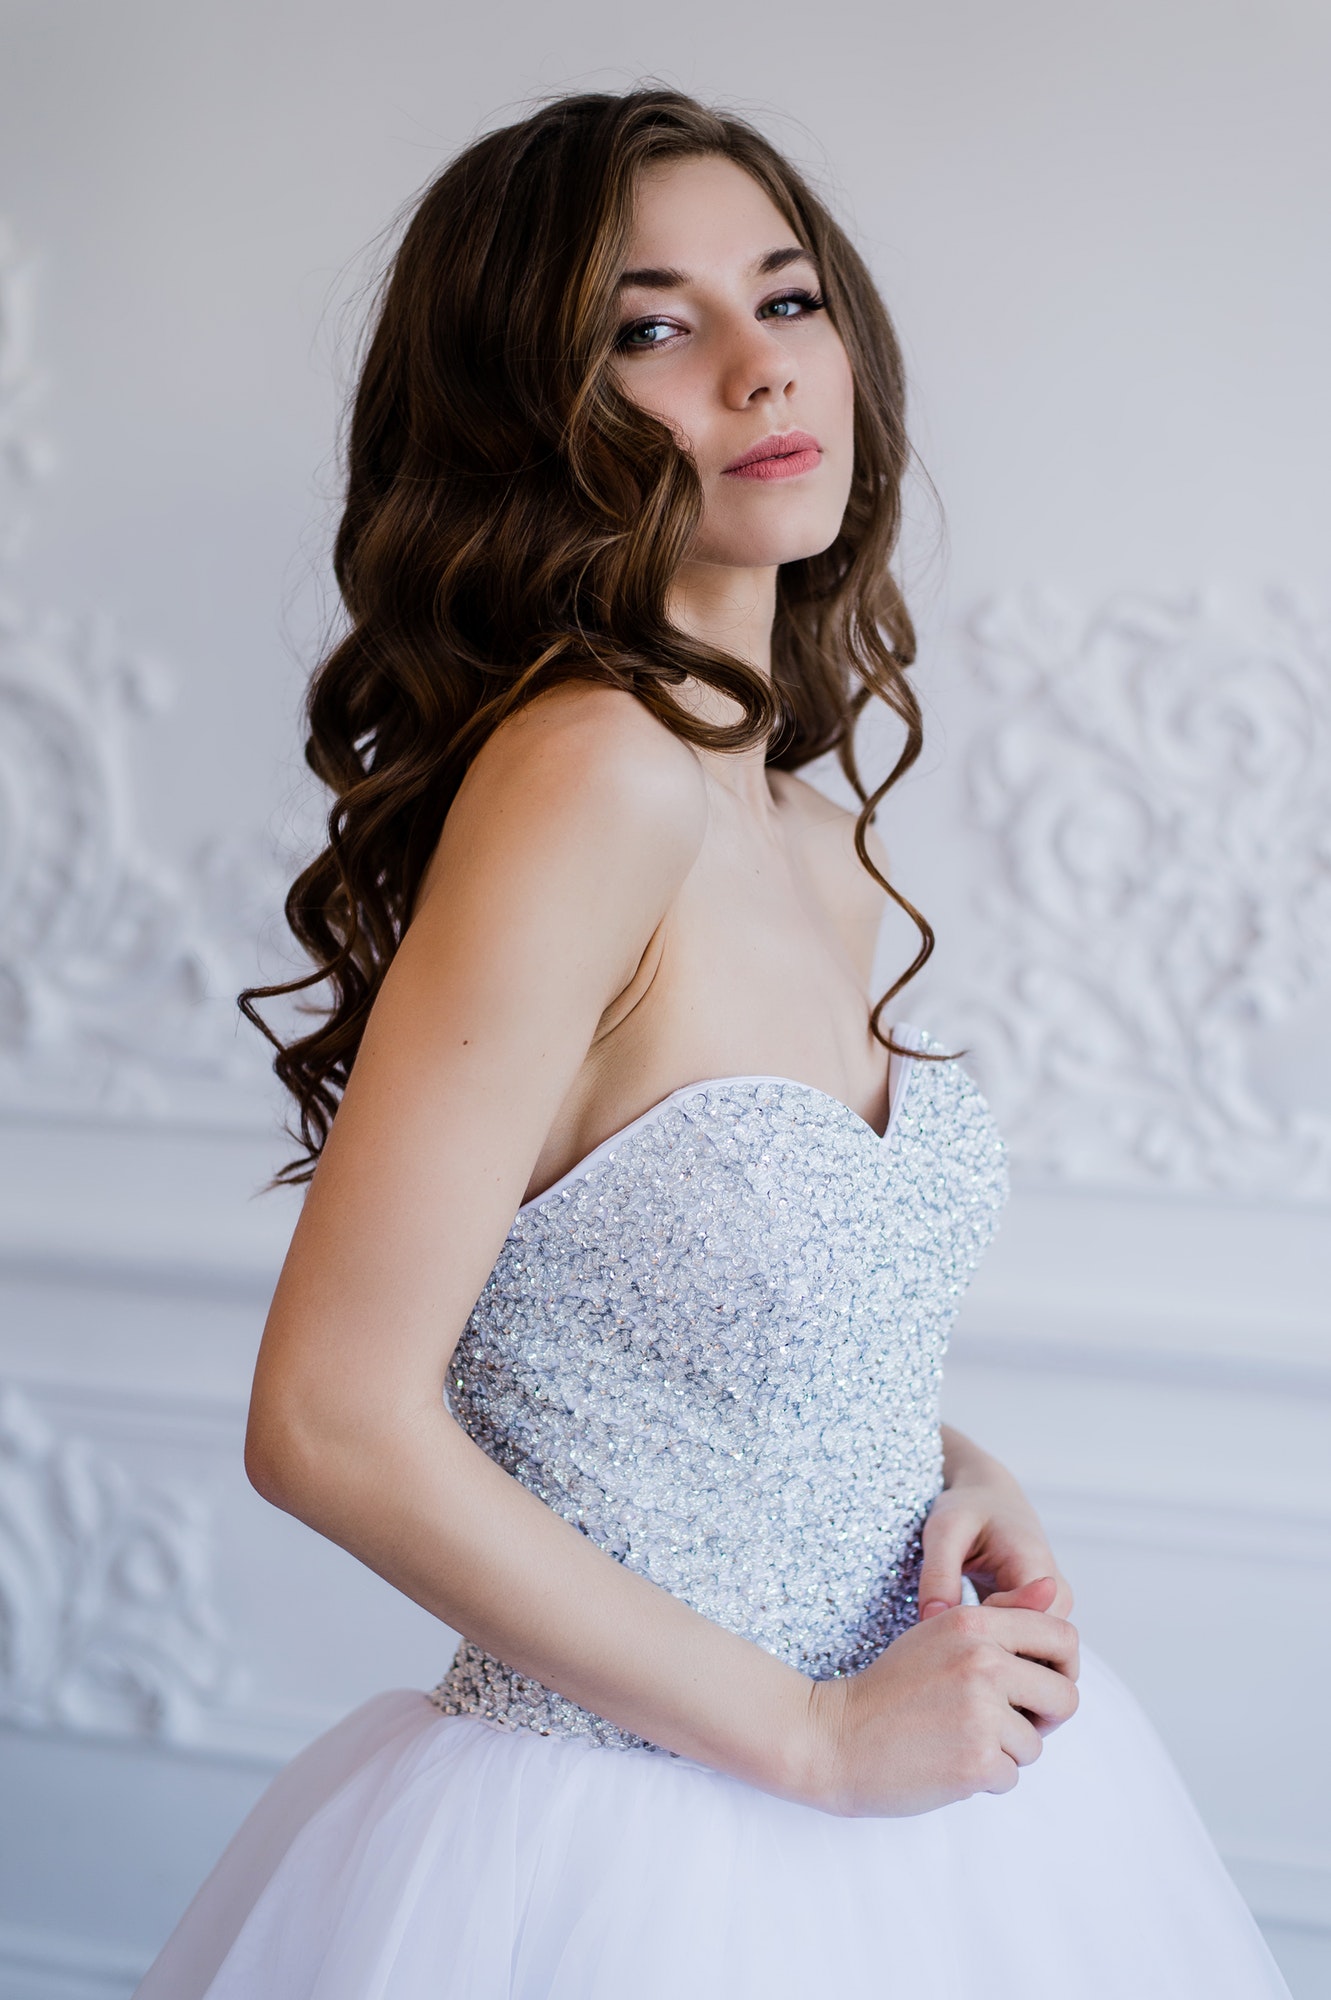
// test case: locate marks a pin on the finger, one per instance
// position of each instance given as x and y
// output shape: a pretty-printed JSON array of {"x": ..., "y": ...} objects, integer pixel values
[
  {"x": 1044, "y": 1696},
  {"x": 947, "y": 1542},
  {"x": 1039, "y": 1595},
  {"x": 1060, "y": 1603},
  {"x": 1014, "y": 1564},
  {"x": 1005, "y": 1776},
  {"x": 1021, "y": 1740},
  {"x": 1035, "y": 1635}
]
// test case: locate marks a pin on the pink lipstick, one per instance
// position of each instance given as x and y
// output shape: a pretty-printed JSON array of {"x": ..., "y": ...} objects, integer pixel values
[{"x": 780, "y": 455}]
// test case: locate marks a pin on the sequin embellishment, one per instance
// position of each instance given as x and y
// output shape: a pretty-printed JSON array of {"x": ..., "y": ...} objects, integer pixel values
[{"x": 718, "y": 1352}]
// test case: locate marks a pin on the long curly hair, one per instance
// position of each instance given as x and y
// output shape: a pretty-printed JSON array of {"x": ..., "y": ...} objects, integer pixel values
[{"x": 513, "y": 522}]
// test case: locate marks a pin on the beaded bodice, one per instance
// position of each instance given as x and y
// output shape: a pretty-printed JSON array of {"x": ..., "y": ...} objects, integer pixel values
[{"x": 716, "y": 1348}]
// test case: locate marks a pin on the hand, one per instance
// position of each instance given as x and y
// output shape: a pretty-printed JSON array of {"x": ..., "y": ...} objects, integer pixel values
[
  {"x": 956, "y": 1705},
  {"x": 983, "y": 1526}
]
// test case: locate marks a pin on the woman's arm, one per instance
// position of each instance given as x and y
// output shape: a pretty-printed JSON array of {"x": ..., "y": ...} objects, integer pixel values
[
  {"x": 982, "y": 1526},
  {"x": 558, "y": 864}
]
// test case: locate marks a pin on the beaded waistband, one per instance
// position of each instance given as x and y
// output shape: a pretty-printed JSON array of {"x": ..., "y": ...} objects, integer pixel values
[{"x": 478, "y": 1684}]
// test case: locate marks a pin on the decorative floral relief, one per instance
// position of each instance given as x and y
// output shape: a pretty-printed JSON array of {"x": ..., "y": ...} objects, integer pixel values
[
  {"x": 106, "y": 1619},
  {"x": 1151, "y": 788},
  {"x": 117, "y": 971}
]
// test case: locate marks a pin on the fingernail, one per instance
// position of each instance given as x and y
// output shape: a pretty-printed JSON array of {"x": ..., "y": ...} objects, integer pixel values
[{"x": 933, "y": 1607}]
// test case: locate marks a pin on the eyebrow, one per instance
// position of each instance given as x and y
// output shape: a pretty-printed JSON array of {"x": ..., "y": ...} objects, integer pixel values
[{"x": 654, "y": 278}]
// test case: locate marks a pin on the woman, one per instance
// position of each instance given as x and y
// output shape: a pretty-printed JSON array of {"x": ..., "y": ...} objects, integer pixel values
[{"x": 611, "y": 1331}]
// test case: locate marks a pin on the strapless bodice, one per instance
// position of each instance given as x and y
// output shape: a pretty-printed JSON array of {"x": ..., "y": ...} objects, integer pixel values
[{"x": 716, "y": 1348}]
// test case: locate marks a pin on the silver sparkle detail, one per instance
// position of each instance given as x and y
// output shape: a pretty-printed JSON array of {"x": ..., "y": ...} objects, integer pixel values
[{"x": 717, "y": 1350}]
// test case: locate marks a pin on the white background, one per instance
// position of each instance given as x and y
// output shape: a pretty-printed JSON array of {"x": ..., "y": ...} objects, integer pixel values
[{"x": 1103, "y": 235}]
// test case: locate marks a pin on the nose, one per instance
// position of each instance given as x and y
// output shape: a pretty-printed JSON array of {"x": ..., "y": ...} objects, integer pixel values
[{"x": 757, "y": 365}]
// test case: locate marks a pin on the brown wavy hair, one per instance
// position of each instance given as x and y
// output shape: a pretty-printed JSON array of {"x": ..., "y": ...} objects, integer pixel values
[{"x": 513, "y": 522}]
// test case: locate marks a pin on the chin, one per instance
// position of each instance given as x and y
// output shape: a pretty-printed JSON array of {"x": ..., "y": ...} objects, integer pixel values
[{"x": 771, "y": 543}]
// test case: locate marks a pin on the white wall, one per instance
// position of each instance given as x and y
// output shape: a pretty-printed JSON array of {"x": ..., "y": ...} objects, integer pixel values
[{"x": 1103, "y": 234}]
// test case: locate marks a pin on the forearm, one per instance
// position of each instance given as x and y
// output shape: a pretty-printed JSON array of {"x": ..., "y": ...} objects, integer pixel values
[
  {"x": 965, "y": 1463},
  {"x": 983, "y": 1526},
  {"x": 427, "y": 1510}
]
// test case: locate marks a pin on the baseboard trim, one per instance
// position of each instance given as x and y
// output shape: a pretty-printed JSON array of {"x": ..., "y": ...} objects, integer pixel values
[
  {"x": 1301, "y": 1540},
  {"x": 1291, "y": 1890},
  {"x": 42, "y": 1965},
  {"x": 1175, "y": 1354}
]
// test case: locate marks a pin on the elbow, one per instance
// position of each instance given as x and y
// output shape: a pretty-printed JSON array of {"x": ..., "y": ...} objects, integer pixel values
[
  {"x": 281, "y": 1458},
  {"x": 315, "y": 1452},
  {"x": 266, "y": 1463}
]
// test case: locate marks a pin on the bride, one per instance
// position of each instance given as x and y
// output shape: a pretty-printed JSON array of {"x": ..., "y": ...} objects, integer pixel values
[{"x": 612, "y": 1329}]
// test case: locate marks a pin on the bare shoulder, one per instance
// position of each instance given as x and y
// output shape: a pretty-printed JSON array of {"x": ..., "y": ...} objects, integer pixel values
[
  {"x": 586, "y": 766},
  {"x": 598, "y": 747},
  {"x": 825, "y": 833}
]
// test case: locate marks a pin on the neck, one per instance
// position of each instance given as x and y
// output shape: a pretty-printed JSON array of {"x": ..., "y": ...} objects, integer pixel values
[{"x": 731, "y": 609}]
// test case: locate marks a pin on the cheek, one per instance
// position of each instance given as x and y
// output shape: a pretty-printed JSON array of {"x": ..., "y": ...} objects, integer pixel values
[
  {"x": 672, "y": 398},
  {"x": 842, "y": 396}
]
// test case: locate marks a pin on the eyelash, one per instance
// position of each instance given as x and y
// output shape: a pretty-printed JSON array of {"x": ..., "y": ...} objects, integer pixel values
[{"x": 812, "y": 302}]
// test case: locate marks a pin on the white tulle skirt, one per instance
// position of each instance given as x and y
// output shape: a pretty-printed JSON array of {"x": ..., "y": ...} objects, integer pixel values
[{"x": 409, "y": 1855}]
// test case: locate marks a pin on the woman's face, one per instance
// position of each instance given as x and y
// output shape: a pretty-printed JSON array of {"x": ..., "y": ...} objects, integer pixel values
[{"x": 723, "y": 336}]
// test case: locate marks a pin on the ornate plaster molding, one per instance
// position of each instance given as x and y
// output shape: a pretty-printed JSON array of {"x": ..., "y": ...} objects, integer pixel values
[
  {"x": 107, "y": 1622},
  {"x": 117, "y": 970},
  {"x": 1149, "y": 785}
]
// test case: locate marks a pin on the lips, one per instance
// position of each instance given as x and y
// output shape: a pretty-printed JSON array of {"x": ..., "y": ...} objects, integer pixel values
[{"x": 780, "y": 455}]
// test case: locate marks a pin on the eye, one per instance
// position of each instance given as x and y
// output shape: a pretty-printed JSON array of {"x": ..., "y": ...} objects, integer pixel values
[
  {"x": 642, "y": 334},
  {"x": 792, "y": 305}
]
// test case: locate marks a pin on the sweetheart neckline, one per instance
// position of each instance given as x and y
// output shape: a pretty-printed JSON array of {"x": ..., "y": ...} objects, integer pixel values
[{"x": 900, "y": 1070}]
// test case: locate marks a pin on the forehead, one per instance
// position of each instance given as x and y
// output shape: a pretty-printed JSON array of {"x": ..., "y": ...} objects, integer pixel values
[{"x": 698, "y": 214}]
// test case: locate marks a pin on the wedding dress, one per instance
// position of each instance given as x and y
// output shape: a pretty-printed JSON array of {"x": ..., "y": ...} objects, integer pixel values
[{"x": 716, "y": 1347}]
